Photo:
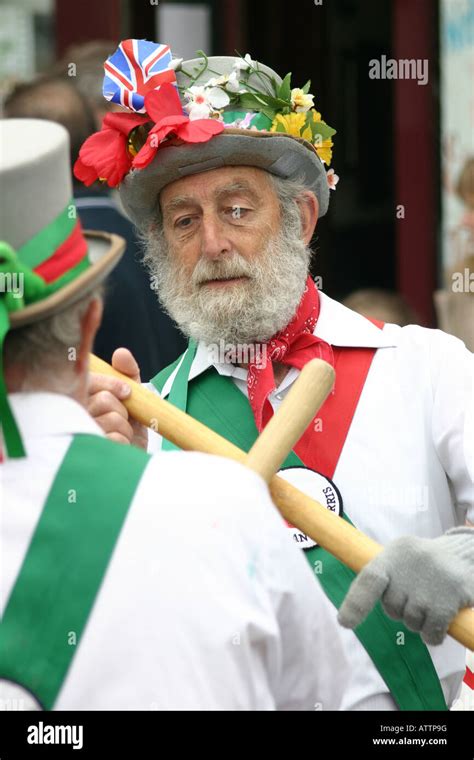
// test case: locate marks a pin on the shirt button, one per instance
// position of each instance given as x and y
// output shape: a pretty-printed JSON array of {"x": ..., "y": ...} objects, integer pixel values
[{"x": 279, "y": 396}]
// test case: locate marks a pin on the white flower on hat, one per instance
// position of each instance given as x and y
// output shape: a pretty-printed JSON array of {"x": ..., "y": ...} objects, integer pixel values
[
  {"x": 217, "y": 81},
  {"x": 230, "y": 82},
  {"x": 198, "y": 111},
  {"x": 203, "y": 101},
  {"x": 332, "y": 179},
  {"x": 243, "y": 63},
  {"x": 233, "y": 82},
  {"x": 175, "y": 63},
  {"x": 300, "y": 102},
  {"x": 217, "y": 97}
]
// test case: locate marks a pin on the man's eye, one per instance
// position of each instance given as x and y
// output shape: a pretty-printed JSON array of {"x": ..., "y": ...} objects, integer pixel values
[
  {"x": 237, "y": 212},
  {"x": 184, "y": 222}
]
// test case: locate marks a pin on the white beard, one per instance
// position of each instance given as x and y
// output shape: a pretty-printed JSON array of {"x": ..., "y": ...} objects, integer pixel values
[{"x": 251, "y": 311}]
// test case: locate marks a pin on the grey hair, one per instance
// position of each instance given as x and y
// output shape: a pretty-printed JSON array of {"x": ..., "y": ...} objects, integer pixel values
[
  {"x": 45, "y": 349},
  {"x": 289, "y": 192}
]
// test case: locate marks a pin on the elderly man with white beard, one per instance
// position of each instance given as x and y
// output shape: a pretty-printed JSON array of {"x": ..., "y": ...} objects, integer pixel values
[
  {"x": 226, "y": 185},
  {"x": 243, "y": 288}
]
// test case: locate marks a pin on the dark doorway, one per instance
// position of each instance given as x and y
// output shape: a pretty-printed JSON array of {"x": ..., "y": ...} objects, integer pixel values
[{"x": 332, "y": 43}]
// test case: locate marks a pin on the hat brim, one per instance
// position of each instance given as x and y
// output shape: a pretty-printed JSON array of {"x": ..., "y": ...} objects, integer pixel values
[
  {"x": 279, "y": 153},
  {"x": 105, "y": 251}
]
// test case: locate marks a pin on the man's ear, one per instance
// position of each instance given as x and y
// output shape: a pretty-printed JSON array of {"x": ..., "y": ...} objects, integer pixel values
[
  {"x": 309, "y": 211},
  {"x": 90, "y": 323}
]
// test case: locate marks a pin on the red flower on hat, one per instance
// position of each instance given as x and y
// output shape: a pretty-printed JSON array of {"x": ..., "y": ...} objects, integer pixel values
[
  {"x": 105, "y": 154},
  {"x": 164, "y": 107}
]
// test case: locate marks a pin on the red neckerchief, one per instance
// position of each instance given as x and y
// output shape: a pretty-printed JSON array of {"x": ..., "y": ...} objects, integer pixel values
[{"x": 295, "y": 345}]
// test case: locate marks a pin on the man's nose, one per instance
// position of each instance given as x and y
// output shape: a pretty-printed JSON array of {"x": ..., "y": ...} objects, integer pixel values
[{"x": 215, "y": 243}]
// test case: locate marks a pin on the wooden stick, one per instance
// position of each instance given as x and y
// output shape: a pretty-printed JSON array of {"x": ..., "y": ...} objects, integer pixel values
[
  {"x": 286, "y": 427},
  {"x": 337, "y": 536}
]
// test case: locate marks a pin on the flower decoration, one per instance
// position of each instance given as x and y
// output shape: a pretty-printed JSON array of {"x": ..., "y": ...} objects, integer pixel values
[
  {"x": 136, "y": 68},
  {"x": 332, "y": 178},
  {"x": 242, "y": 122},
  {"x": 301, "y": 101},
  {"x": 110, "y": 154},
  {"x": 310, "y": 127},
  {"x": 105, "y": 154},
  {"x": 166, "y": 111},
  {"x": 204, "y": 102},
  {"x": 324, "y": 150},
  {"x": 244, "y": 62},
  {"x": 141, "y": 76},
  {"x": 273, "y": 107},
  {"x": 292, "y": 123}
]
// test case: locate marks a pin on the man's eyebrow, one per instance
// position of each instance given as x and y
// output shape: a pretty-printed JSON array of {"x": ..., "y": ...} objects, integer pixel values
[
  {"x": 178, "y": 202},
  {"x": 238, "y": 186},
  {"x": 231, "y": 188}
]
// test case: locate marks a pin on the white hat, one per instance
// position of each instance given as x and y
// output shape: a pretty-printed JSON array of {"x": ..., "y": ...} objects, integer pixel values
[{"x": 46, "y": 261}]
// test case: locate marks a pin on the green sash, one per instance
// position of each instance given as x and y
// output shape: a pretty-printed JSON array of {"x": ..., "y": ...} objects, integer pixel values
[
  {"x": 66, "y": 561},
  {"x": 400, "y": 656}
]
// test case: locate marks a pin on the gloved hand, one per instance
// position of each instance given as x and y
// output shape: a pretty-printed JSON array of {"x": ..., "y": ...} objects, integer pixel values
[{"x": 422, "y": 581}]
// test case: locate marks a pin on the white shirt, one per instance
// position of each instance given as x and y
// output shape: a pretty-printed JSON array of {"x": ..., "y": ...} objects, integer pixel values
[
  {"x": 407, "y": 464},
  {"x": 206, "y": 604}
]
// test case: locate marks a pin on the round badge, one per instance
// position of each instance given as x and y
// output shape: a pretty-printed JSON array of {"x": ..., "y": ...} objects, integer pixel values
[
  {"x": 13, "y": 696},
  {"x": 317, "y": 486}
]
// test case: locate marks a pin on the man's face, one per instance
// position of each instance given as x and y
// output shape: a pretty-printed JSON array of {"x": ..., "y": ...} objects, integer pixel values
[
  {"x": 229, "y": 262},
  {"x": 213, "y": 216}
]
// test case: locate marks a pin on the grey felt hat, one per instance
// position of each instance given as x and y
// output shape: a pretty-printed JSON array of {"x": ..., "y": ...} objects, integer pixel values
[{"x": 279, "y": 153}]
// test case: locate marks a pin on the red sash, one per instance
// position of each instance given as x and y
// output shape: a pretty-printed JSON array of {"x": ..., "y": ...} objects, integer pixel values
[
  {"x": 321, "y": 445},
  {"x": 469, "y": 678}
]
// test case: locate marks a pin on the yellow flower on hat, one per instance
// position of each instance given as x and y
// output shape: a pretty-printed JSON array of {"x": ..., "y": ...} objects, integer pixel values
[
  {"x": 324, "y": 150},
  {"x": 294, "y": 124},
  {"x": 291, "y": 123}
]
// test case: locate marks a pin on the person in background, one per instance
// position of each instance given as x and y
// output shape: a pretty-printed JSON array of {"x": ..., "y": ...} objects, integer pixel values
[
  {"x": 384, "y": 305},
  {"x": 83, "y": 63},
  {"x": 151, "y": 335},
  {"x": 57, "y": 100},
  {"x": 455, "y": 303}
]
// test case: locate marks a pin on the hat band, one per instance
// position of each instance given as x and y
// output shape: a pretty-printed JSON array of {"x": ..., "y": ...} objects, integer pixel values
[
  {"x": 64, "y": 260},
  {"x": 57, "y": 249}
]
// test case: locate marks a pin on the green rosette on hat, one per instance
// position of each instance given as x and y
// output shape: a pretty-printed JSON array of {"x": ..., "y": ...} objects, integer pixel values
[{"x": 46, "y": 261}]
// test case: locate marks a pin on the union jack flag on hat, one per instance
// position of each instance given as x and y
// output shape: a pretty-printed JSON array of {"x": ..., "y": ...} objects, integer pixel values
[{"x": 136, "y": 68}]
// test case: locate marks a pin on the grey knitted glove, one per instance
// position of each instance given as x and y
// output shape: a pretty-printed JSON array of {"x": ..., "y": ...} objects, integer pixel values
[{"x": 422, "y": 581}]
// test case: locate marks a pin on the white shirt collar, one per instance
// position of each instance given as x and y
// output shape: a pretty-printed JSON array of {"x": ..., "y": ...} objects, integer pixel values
[
  {"x": 337, "y": 325},
  {"x": 40, "y": 414}
]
